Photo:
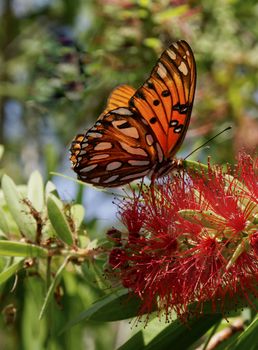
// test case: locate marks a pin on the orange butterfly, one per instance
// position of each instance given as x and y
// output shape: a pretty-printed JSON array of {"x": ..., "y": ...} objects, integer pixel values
[{"x": 140, "y": 130}]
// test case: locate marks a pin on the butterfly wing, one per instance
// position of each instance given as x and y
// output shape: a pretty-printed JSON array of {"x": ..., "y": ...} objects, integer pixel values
[
  {"x": 116, "y": 150},
  {"x": 140, "y": 130},
  {"x": 165, "y": 100},
  {"x": 119, "y": 97}
]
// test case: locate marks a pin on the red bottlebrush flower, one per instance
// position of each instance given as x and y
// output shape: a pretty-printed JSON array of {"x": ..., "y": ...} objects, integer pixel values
[{"x": 191, "y": 239}]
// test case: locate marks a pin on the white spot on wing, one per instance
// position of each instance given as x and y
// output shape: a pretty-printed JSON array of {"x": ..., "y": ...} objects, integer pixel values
[
  {"x": 175, "y": 46},
  {"x": 94, "y": 134},
  {"x": 144, "y": 121},
  {"x": 149, "y": 139},
  {"x": 102, "y": 146},
  {"x": 182, "y": 67},
  {"x": 82, "y": 152},
  {"x": 159, "y": 151},
  {"x": 113, "y": 165},
  {"x": 133, "y": 150},
  {"x": 123, "y": 111},
  {"x": 171, "y": 54},
  {"x": 138, "y": 162},
  {"x": 162, "y": 72},
  {"x": 111, "y": 179},
  {"x": 95, "y": 180},
  {"x": 135, "y": 176},
  {"x": 100, "y": 156},
  {"x": 89, "y": 168},
  {"x": 132, "y": 132}
]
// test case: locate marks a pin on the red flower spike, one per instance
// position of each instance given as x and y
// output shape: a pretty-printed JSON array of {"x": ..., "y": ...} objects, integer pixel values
[
  {"x": 247, "y": 171},
  {"x": 191, "y": 239}
]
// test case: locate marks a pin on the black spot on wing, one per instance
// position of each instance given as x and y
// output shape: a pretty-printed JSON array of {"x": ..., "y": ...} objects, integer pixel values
[
  {"x": 150, "y": 85},
  {"x": 153, "y": 120},
  {"x": 165, "y": 93},
  {"x": 181, "y": 108},
  {"x": 131, "y": 103},
  {"x": 140, "y": 94}
]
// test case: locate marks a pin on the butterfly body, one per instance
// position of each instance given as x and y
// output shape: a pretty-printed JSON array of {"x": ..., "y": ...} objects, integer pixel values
[{"x": 140, "y": 130}]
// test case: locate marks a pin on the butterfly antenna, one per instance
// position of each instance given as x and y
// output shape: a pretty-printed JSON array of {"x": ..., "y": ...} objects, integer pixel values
[{"x": 205, "y": 143}]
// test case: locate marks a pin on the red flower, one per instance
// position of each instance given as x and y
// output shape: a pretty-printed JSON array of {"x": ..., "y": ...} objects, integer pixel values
[{"x": 191, "y": 239}]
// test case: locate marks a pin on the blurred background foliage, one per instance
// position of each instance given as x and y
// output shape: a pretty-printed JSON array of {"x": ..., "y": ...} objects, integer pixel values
[{"x": 60, "y": 59}]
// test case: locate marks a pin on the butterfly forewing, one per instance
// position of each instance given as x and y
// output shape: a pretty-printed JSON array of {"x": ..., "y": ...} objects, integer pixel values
[
  {"x": 166, "y": 98},
  {"x": 116, "y": 150}
]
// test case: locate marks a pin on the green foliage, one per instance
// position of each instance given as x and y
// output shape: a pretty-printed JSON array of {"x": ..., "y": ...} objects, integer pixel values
[
  {"x": 58, "y": 63},
  {"x": 41, "y": 239}
]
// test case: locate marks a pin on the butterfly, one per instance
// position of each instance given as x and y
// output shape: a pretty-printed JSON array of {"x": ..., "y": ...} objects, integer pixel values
[{"x": 140, "y": 130}]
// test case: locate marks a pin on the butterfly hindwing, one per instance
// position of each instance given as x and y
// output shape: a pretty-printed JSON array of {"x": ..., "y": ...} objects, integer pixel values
[{"x": 116, "y": 150}]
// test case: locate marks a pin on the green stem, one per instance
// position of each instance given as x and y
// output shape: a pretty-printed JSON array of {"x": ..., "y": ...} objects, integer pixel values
[
  {"x": 49, "y": 314},
  {"x": 196, "y": 166}
]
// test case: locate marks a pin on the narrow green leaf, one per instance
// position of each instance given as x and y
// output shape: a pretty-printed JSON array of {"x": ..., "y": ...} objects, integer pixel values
[
  {"x": 247, "y": 339},
  {"x": 114, "y": 307},
  {"x": 136, "y": 342},
  {"x": 18, "y": 209},
  {"x": 77, "y": 212},
  {"x": 50, "y": 188},
  {"x": 3, "y": 222},
  {"x": 1, "y": 151},
  {"x": 207, "y": 218},
  {"x": 195, "y": 166},
  {"x": 52, "y": 287},
  {"x": 36, "y": 190},
  {"x": 58, "y": 220},
  {"x": 176, "y": 336},
  {"x": 8, "y": 248},
  {"x": 146, "y": 335},
  {"x": 11, "y": 270}
]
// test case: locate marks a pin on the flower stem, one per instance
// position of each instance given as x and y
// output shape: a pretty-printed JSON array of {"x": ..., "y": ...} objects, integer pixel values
[{"x": 196, "y": 166}]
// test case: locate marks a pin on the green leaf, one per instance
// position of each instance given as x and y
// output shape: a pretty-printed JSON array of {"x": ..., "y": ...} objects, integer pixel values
[
  {"x": 3, "y": 222},
  {"x": 58, "y": 219},
  {"x": 77, "y": 212},
  {"x": 114, "y": 307},
  {"x": 207, "y": 218},
  {"x": 8, "y": 248},
  {"x": 247, "y": 339},
  {"x": 1, "y": 151},
  {"x": 52, "y": 287},
  {"x": 11, "y": 270},
  {"x": 195, "y": 166},
  {"x": 18, "y": 209},
  {"x": 176, "y": 336},
  {"x": 36, "y": 191},
  {"x": 50, "y": 188}
]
